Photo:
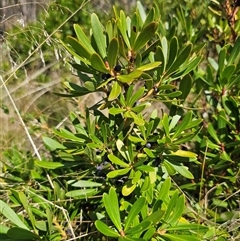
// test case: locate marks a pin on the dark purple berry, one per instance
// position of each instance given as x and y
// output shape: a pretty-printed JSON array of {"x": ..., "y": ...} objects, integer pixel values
[
  {"x": 117, "y": 68},
  {"x": 106, "y": 76}
]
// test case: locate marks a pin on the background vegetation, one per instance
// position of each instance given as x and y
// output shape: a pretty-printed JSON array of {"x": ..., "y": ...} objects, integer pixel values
[{"x": 171, "y": 174}]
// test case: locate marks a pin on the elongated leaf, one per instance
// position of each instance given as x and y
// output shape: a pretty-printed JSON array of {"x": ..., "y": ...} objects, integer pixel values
[
  {"x": 98, "y": 64},
  {"x": 222, "y": 59},
  {"x": 122, "y": 25},
  {"x": 111, "y": 205},
  {"x": 183, "y": 170},
  {"x": 173, "y": 51},
  {"x": 49, "y": 165},
  {"x": 98, "y": 34},
  {"x": 182, "y": 126},
  {"x": 182, "y": 57},
  {"x": 226, "y": 74},
  {"x": 213, "y": 133},
  {"x": 116, "y": 160},
  {"x": 134, "y": 211},
  {"x": 52, "y": 144},
  {"x": 136, "y": 97},
  {"x": 113, "y": 49},
  {"x": 185, "y": 153},
  {"x": 178, "y": 237},
  {"x": 27, "y": 207},
  {"x": 83, "y": 39},
  {"x": 130, "y": 77},
  {"x": 83, "y": 183},
  {"x": 115, "y": 92},
  {"x": 82, "y": 193},
  {"x": 185, "y": 86},
  {"x": 155, "y": 217},
  {"x": 21, "y": 234},
  {"x": 178, "y": 211},
  {"x": 103, "y": 228},
  {"x": 115, "y": 111},
  {"x": 233, "y": 81},
  {"x": 150, "y": 232},
  {"x": 119, "y": 172},
  {"x": 72, "y": 51},
  {"x": 235, "y": 54},
  {"x": 171, "y": 205},
  {"x": 128, "y": 188},
  {"x": 138, "y": 229},
  {"x": 190, "y": 226},
  {"x": 163, "y": 193},
  {"x": 145, "y": 35},
  {"x": 149, "y": 66},
  {"x": 7, "y": 212},
  {"x": 80, "y": 50}
]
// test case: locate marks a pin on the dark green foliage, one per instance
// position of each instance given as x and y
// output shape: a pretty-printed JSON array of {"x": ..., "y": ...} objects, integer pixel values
[{"x": 172, "y": 174}]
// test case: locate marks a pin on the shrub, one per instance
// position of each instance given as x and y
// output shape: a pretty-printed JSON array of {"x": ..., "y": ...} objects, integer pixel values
[{"x": 129, "y": 175}]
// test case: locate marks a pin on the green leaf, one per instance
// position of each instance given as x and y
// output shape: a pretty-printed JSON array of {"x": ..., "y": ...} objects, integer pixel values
[
  {"x": 115, "y": 111},
  {"x": 185, "y": 86},
  {"x": 178, "y": 237},
  {"x": 177, "y": 212},
  {"x": 191, "y": 227},
  {"x": 134, "y": 211},
  {"x": 222, "y": 60},
  {"x": 122, "y": 25},
  {"x": 83, "y": 39},
  {"x": 233, "y": 81},
  {"x": 173, "y": 51},
  {"x": 145, "y": 35},
  {"x": 119, "y": 172},
  {"x": 7, "y": 212},
  {"x": 235, "y": 54},
  {"x": 227, "y": 74},
  {"x": 183, "y": 153},
  {"x": 111, "y": 205},
  {"x": 148, "y": 235},
  {"x": 83, "y": 183},
  {"x": 128, "y": 188},
  {"x": 149, "y": 66},
  {"x": 103, "y": 228},
  {"x": 130, "y": 77},
  {"x": 137, "y": 119},
  {"x": 213, "y": 133},
  {"x": 98, "y": 64},
  {"x": 79, "y": 49},
  {"x": 182, "y": 126},
  {"x": 117, "y": 161},
  {"x": 155, "y": 217},
  {"x": 23, "y": 199},
  {"x": 72, "y": 51},
  {"x": 134, "y": 98},
  {"x": 98, "y": 34},
  {"x": 138, "y": 229},
  {"x": 182, "y": 170},
  {"x": 115, "y": 92},
  {"x": 21, "y": 234},
  {"x": 113, "y": 49},
  {"x": 52, "y": 144},
  {"x": 49, "y": 165},
  {"x": 135, "y": 139},
  {"x": 82, "y": 193},
  {"x": 164, "y": 191},
  {"x": 182, "y": 57},
  {"x": 146, "y": 168},
  {"x": 170, "y": 207}
]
